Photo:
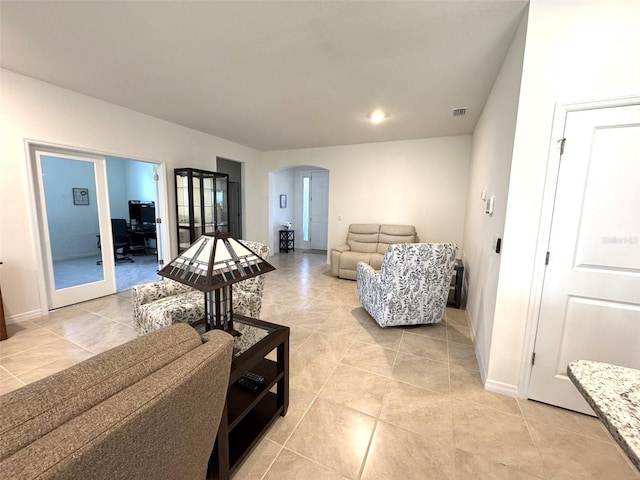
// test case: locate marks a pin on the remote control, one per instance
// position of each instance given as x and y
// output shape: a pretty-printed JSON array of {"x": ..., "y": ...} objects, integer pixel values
[
  {"x": 254, "y": 377},
  {"x": 248, "y": 385}
]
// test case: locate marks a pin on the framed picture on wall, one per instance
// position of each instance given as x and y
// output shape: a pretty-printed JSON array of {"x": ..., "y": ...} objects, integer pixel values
[
  {"x": 283, "y": 201},
  {"x": 80, "y": 196}
]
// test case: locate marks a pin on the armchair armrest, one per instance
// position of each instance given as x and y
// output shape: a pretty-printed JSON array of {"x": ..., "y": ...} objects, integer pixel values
[
  {"x": 149, "y": 292},
  {"x": 335, "y": 257},
  {"x": 369, "y": 285},
  {"x": 341, "y": 248}
]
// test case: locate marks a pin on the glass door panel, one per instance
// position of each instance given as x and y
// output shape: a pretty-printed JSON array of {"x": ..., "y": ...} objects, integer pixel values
[
  {"x": 222, "y": 210},
  {"x": 74, "y": 221},
  {"x": 209, "y": 192}
]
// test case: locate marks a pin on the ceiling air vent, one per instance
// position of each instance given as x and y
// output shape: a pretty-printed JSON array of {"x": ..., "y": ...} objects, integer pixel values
[{"x": 458, "y": 112}]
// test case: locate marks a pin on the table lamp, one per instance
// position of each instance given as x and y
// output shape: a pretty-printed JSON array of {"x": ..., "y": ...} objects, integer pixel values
[{"x": 213, "y": 263}]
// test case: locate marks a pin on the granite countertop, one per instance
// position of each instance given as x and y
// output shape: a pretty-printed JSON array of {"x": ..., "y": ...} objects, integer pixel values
[{"x": 614, "y": 394}]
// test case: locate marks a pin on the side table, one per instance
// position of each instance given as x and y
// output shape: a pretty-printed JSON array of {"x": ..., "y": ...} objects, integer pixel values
[
  {"x": 456, "y": 285},
  {"x": 287, "y": 240},
  {"x": 248, "y": 415}
]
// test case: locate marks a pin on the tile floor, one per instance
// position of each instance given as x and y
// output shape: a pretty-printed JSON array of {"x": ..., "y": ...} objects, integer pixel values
[{"x": 366, "y": 403}]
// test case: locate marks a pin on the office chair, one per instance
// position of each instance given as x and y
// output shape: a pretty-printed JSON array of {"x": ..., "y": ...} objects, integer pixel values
[
  {"x": 120, "y": 240},
  {"x": 120, "y": 233}
]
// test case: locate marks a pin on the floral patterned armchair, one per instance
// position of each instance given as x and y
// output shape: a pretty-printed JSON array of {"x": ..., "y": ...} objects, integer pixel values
[
  {"x": 163, "y": 303},
  {"x": 412, "y": 286}
]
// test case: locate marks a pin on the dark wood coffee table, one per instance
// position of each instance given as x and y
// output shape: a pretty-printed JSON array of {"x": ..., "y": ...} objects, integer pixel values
[{"x": 248, "y": 415}]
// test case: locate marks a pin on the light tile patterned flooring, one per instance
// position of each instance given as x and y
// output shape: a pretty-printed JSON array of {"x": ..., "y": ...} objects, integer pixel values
[{"x": 366, "y": 403}]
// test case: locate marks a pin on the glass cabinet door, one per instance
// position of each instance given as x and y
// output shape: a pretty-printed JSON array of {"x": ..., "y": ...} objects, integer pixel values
[
  {"x": 183, "y": 182},
  {"x": 209, "y": 192},
  {"x": 201, "y": 204},
  {"x": 222, "y": 208}
]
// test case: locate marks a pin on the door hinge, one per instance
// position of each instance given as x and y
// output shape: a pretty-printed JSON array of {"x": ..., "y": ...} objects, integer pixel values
[
  {"x": 160, "y": 261},
  {"x": 533, "y": 358},
  {"x": 158, "y": 220},
  {"x": 546, "y": 260},
  {"x": 562, "y": 142}
]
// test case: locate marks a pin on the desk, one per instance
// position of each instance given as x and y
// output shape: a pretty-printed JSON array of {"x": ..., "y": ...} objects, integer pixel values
[
  {"x": 140, "y": 237},
  {"x": 614, "y": 394}
]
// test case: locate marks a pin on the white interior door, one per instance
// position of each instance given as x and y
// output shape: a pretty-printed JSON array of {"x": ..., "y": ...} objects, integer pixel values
[
  {"x": 319, "y": 210},
  {"x": 590, "y": 307},
  {"x": 73, "y": 209}
]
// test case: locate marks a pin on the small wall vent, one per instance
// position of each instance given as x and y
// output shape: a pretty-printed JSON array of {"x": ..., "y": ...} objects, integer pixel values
[{"x": 458, "y": 112}]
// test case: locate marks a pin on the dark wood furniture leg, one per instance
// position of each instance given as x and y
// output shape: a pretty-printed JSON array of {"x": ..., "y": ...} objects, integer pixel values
[
  {"x": 283, "y": 383},
  {"x": 222, "y": 446},
  {"x": 3, "y": 323}
]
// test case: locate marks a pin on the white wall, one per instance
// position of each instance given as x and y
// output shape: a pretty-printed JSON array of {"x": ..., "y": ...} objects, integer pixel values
[
  {"x": 128, "y": 180},
  {"x": 139, "y": 178},
  {"x": 117, "y": 180},
  {"x": 413, "y": 182},
  {"x": 491, "y": 155},
  {"x": 35, "y": 110},
  {"x": 575, "y": 51}
]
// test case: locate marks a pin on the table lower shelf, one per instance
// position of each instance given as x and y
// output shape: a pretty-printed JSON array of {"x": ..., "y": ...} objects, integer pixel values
[{"x": 247, "y": 433}]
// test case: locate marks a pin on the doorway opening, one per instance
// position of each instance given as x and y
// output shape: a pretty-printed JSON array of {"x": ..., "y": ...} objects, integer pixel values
[
  {"x": 79, "y": 196},
  {"x": 306, "y": 208},
  {"x": 234, "y": 170}
]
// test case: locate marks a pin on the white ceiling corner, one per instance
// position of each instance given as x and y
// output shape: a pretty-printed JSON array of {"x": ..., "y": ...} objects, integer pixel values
[{"x": 272, "y": 75}]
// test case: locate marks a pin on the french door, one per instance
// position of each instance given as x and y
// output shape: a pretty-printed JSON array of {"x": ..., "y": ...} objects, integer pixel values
[{"x": 74, "y": 226}]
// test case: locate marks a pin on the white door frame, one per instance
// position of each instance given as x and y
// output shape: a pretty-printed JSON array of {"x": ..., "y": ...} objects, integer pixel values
[
  {"x": 30, "y": 145},
  {"x": 546, "y": 217}
]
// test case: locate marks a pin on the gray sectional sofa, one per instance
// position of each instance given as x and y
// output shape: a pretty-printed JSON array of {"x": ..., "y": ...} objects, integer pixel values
[
  {"x": 148, "y": 409},
  {"x": 367, "y": 242}
]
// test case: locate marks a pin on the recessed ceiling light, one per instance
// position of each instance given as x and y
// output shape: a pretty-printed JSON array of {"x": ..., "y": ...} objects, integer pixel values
[{"x": 377, "y": 116}]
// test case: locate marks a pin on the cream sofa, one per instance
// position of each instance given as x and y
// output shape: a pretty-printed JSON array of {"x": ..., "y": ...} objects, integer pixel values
[
  {"x": 367, "y": 242},
  {"x": 147, "y": 409}
]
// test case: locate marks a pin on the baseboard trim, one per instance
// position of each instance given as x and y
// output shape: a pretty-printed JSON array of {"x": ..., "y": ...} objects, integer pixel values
[
  {"x": 24, "y": 317},
  {"x": 500, "y": 387},
  {"x": 489, "y": 385},
  {"x": 481, "y": 366}
]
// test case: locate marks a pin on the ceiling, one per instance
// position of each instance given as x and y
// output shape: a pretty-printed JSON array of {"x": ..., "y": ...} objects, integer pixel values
[{"x": 272, "y": 75}]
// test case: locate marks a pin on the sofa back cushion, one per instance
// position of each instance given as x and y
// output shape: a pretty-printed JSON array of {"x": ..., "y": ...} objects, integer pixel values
[
  {"x": 363, "y": 237},
  {"x": 364, "y": 247},
  {"x": 390, "y": 234},
  {"x": 35, "y": 410}
]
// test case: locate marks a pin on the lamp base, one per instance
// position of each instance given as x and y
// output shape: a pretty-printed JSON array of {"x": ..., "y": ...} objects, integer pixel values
[
  {"x": 233, "y": 332},
  {"x": 230, "y": 330}
]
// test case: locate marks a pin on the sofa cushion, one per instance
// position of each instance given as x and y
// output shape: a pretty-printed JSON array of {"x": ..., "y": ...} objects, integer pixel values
[
  {"x": 375, "y": 261},
  {"x": 29, "y": 413},
  {"x": 349, "y": 260},
  {"x": 365, "y": 247},
  {"x": 368, "y": 242},
  {"x": 364, "y": 228},
  {"x": 402, "y": 230},
  {"x": 390, "y": 234}
]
